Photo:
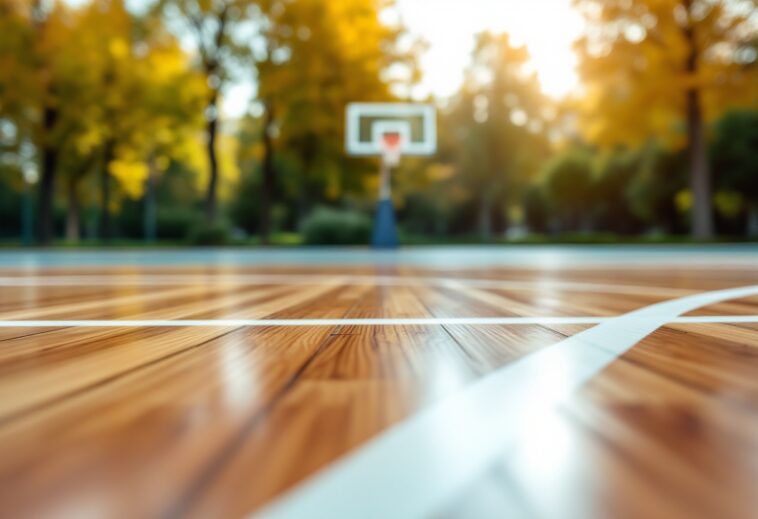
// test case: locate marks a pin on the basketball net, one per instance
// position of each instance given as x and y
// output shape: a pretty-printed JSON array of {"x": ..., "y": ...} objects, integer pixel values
[{"x": 391, "y": 147}]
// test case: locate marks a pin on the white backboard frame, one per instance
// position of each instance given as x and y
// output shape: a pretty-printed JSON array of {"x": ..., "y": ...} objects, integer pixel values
[{"x": 355, "y": 111}]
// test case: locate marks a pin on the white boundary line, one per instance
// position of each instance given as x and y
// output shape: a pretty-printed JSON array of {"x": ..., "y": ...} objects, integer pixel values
[
  {"x": 303, "y": 322},
  {"x": 420, "y": 321},
  {"x": 724, "y": 319},
  {"x": 415, "y": 467}
]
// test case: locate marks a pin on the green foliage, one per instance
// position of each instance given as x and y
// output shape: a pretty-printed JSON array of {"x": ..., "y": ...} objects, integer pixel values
[
  {"x": 421, "y": 215},
  {"x": 569, "y": 185},
  {"x": 615, "y": 175},
  {"x": 536, "y": 209},
  {"x": 175, "y": 223},
  {"x": 653, "y": 191},
  {"x": 734, "y": 153},
  {"x": 210, "y": 234},
  {"x": 246, "y": 205},
  {"x": 328, "y": 226}
]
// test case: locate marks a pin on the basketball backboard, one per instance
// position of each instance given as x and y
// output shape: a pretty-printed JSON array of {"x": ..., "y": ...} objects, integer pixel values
[{"x": 367, "y": 124}]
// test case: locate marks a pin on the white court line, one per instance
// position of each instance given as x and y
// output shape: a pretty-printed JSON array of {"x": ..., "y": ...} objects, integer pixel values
[
  {"x": 726, "y": 319},
  {"x": 327, "y": 279},
  {"x": 304, "y": 322},
  {"x": 419, "y": 465},
  {"x": 421, "y": 321}
]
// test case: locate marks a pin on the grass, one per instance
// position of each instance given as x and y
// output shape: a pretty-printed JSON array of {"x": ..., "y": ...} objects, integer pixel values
[
  {"x": 571, "y": 239},
  {"x": 277, "y": 239},
  {"x": 291, "y": 239}
]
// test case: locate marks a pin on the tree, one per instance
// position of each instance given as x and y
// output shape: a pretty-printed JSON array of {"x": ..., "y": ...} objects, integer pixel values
[
  {"x": 101, "y": 98},
  {"x": 164, "y": 117},
  {"x": 654, "y": 66},
  {"x": 127, "y": 98},
  {"x": 33, "y": 33},
  {"x": 218, "y": 28},
  {"x": 499, "y": 118}
]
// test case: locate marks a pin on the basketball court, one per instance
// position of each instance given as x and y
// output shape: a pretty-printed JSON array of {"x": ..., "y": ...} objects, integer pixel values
[{"x": 550, "y": 382}]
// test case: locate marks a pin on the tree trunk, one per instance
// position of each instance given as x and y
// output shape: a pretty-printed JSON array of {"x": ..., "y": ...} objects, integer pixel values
[
  {"x": 72, "y": 211},
  {"x": 211, "y": 130},
  {"x": 485, "y": 218},
  {"x": 700, "y": 182},
  {"x": 150, "y": 210},
  {"x": 27, "y": 216},
  {"x": 752, "y": 221},
  {"x": 310, "y": 191},
  {"x": 440, "y": 223},
  {"x": 304, "y": 200},
  {"x": 105, "y": 193},
  {"x": 269, "y": 174},
  {"x": 49, "y": 165}
]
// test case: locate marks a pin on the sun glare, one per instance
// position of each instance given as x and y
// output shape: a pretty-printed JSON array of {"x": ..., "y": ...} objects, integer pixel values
[
  {"x": 555, "y": 67},
  {"x": 547, "y": 27}
]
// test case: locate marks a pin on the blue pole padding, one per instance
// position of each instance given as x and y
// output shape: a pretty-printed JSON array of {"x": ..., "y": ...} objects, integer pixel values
[{"x": 385, "y": 230}]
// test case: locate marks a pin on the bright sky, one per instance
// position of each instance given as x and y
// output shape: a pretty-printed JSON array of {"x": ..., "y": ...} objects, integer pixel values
[{"x": 547, "y": 27}]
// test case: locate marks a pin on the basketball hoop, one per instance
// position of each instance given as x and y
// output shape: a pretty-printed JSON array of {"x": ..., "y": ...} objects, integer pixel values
[
  {"x": 389, "y": 130},
  {"x": 391, "y": 145}
]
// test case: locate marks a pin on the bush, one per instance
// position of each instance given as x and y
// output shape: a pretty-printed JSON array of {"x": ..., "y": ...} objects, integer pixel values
[
  {"x": 217, "y": 233},
  {"x": 536, "y": 210},
  {"x": 327, "y": 226},
  {"x": 568, "y": 182},
  {"x": 173, "y": 222},
  {"x": 176, "y": 223}
]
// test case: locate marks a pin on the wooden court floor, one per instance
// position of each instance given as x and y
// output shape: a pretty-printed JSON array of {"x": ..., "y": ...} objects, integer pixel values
[{"x": 379, "y": 392}]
